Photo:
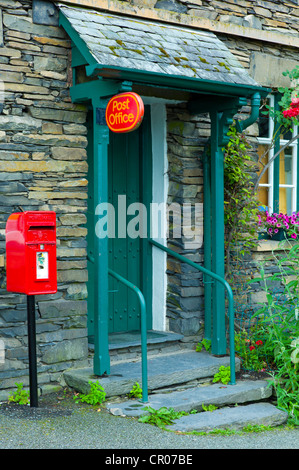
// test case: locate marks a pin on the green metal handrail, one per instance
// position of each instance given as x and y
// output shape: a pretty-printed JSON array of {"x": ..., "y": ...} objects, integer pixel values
[
  {"x": 143, "y": 331},
  {"x": 230, "y": 302}
]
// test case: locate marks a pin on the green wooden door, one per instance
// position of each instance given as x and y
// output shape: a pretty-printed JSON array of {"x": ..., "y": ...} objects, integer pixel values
[
  {"x": 124, "y": 252},
  {"x": 129, "y": 182}
]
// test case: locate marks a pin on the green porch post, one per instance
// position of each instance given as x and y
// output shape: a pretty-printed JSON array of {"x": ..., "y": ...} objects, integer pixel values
[
  {"x": 101, "y": 141},
  {"x": 207, "y": 244},
  {"x": 98, "y": 92},
  {"x": 217, "y": 213}
]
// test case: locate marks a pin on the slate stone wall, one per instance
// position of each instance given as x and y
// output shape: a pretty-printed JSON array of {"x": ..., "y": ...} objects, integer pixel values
[
  {"x": 259, "y": 14},
  {"x": 186, "y": 139},
  {"x": 42, "y": 167}
]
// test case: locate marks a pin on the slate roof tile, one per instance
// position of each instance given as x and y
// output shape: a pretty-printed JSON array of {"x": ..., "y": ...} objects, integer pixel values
[{"x": 151, "y": 46}]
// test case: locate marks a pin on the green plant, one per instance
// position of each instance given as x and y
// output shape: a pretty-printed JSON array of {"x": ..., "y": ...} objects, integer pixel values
[
  {"x": 205, "y": 343},
  {"x": 274, "y": 223},
  {"x": 161, "y": 417},
  {"x": 279, "y": 320},
  {"x": 209, "y": 407},
  {"x": 251, "y": 350},
  {"x": 95, "y": 396},
  {"x": 257, "y": 428},
  {"x": 20, "y": 396},
  {"x": 223, "y": 375},
  {"x": 136, "y": 391},
  {"x": 241, "y": 205}
]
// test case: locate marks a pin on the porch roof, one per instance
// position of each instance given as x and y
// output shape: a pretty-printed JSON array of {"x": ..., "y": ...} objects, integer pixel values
[{"x": 117, "y": 46}]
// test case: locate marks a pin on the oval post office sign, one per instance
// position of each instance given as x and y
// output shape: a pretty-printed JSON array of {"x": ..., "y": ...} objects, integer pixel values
[{"x": 124, "y": 112}]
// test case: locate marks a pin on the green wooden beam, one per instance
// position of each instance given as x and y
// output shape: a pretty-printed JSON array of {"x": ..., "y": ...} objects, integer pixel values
[
  {"x": 147, "y": 185},
  {"x": 217, "y": 232},
  {"x": 207, "y": 244},
  {"x": 161, "y": 80},
  {"x": 101, "y": 345},
  {"x": 77, "y": 40}
]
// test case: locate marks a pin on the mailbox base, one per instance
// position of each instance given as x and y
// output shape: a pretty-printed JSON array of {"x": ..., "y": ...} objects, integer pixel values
[{"x": 32, "y": 350}]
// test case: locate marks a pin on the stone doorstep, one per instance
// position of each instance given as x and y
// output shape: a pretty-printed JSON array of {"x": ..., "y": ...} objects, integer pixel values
[
  {"x": 226, "y": 417},
  {"x": 163, "y": 371},
  {"x": 231, "y": 418},
  {"x": 119, "y": 341},
  {"x": 193, "y": 398}
]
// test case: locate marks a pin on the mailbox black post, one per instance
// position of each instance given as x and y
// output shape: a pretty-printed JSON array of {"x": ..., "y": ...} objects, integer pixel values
[{"x": 32, "y": 350}]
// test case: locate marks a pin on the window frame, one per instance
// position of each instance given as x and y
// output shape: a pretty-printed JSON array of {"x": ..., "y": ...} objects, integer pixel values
[{"x": 274, "y": 169}]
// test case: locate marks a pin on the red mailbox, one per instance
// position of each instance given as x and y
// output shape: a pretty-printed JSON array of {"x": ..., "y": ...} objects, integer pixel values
[{"x": 31, "y": 252}]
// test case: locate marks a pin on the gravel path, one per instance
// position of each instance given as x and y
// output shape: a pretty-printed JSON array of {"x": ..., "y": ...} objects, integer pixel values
[{"x": 63, "y": 424}]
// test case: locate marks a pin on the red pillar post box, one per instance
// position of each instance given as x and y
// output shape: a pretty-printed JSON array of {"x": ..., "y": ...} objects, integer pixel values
[
  {"x": 31, "y": 253},
  {"x": 31, "y": 269}
]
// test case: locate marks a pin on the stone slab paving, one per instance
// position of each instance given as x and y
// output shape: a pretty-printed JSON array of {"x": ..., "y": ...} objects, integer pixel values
[
  {"x": 193, "y": 398},
  {"x": 163, "y": 371},
  {"x": 234, "y": 418}
]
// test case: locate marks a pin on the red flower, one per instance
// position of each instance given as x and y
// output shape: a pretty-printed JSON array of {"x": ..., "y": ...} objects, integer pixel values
[
  {"x": 251, "y": 348},
  {"x": 291, "y": 112},
  {"x": 259, "y": 342}
]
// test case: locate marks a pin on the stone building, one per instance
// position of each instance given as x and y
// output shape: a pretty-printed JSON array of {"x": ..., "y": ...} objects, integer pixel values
[{"x": 196, "y": 64}]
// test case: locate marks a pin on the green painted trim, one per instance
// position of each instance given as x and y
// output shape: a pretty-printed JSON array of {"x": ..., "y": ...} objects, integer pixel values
[
  {"x": 217, "y": 213},
  {"x": 79, "y": 43},
  {"x": 174, "y": 81},
  {"x": 255, "y": 110},
  {"x": 207, "y": 244},
  {"x": 77, "y": 57},
  {"x": 90, "y": 225},
  {"x": 101, "y": 345},
  {"x": 147, "y": 194},
  {"x": 276, "y": 163},
  {"x": 208, "y": 103},
  {"x": 97, "y": 89}
]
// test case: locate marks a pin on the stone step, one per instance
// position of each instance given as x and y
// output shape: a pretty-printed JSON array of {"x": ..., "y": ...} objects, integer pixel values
[
  {"x": 231, "y": 418},
  {"x": 163, "y": 371},
  {"x": 126, "y": 346},
  {"x": 193, "y": 398}
]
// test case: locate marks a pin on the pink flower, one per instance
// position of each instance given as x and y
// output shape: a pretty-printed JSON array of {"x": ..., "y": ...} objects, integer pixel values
[{"x": 294, "y": 235}]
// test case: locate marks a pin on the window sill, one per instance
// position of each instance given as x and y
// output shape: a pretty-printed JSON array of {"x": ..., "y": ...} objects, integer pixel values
[{"x": 270, "y": 245}]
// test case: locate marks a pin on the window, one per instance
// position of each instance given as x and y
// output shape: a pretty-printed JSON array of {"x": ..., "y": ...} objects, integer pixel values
[{"x": 279, "y": 184}]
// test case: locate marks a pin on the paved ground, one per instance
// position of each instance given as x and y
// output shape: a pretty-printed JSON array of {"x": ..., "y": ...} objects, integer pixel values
[{"x": 63, "y": 424}]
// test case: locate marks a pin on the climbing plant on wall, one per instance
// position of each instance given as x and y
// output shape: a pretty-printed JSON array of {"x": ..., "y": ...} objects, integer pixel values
[{"x": 241, "y": 205}]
